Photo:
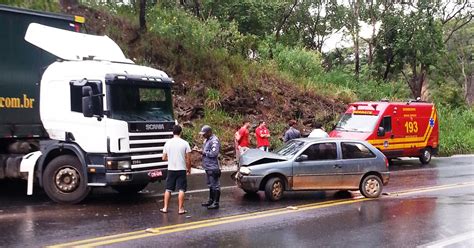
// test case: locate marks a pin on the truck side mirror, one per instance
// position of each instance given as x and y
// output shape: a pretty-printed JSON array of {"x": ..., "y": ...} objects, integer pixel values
[
  {"x": 86, "y": 91},
  {"x": 302, "y": 158},
  {"x": 87, "y": 108},
  {"x": 381, "y": 132},
  {"x": 87, "y": 105}
]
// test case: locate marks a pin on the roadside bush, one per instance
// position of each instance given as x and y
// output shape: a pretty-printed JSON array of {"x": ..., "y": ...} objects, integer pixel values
[
  {"x": 298, "y": 61},
  {"x": 456, "y": 130}
]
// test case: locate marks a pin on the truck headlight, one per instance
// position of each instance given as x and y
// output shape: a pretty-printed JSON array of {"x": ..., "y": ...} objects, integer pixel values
[
  {"x": 245, "y": 170},
  {"x": 118, "y": 164},
  {"x": 123, "y": 165}
]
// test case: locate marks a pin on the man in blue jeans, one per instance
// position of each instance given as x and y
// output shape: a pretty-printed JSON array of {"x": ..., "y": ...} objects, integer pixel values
[{"x": 210, "y": 163}]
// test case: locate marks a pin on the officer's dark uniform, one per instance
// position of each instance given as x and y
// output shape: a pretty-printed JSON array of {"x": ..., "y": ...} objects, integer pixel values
[{"x": 210, "y": 163}]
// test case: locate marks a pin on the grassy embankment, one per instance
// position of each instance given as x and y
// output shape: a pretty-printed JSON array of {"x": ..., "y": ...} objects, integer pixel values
[{"x": 221, "y": 87}]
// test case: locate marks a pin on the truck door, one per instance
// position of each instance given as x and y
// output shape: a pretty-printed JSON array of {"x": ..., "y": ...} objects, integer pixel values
[{"x": 320, "y": 170}]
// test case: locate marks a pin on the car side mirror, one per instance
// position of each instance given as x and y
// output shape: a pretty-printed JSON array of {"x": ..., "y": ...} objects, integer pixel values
[
  {"x": 302, "y": 158},
  {"x": 381, "y": 131}
]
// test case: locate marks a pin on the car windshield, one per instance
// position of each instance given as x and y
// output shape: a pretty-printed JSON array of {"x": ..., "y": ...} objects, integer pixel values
[
  {"x": 357, "y": 123},
  {"x": 290, "y": 148},
  {"x": 137, "y": 103}
]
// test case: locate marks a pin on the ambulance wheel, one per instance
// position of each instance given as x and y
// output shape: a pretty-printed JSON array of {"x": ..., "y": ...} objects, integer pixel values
[
  {"x": 64, "y": 180},
  {"x": 426, "y": 155},
  {"x": 129, "y": 189}
]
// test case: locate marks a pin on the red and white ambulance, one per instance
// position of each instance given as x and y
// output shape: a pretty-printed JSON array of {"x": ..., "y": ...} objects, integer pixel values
[{"x": 398, "y": 129}]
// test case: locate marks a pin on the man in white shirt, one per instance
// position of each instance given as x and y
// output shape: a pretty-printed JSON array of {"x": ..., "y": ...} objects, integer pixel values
[
  {"x": 177, "y": 153},
  {"x": 318, "y": 131}
]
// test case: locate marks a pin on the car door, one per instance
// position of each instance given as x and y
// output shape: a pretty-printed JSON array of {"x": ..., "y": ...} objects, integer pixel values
[
  {"x": 355, "y": 156},
  {"x": 320, "y": 170}
]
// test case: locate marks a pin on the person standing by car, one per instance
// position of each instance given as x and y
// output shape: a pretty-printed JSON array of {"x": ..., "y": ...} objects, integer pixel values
[
  {"x": 177, "y": 153},
  {"x": 263, "y": 136},
  {"x": 236, "y": 144},
  {"x": 243, "y": 137},
  {"x": 292, "y": 132},
  {"x": 210, "y": 163},
  {"x": 318, "y": 131}
]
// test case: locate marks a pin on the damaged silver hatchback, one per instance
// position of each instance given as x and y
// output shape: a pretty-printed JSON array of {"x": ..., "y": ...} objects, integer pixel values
[{"x": 314, "y": 164}]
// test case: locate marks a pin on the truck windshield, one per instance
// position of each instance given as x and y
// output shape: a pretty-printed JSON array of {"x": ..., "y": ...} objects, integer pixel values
[
  {"x": 138, "y": 103},
  {"x": 357, "y": 123}
]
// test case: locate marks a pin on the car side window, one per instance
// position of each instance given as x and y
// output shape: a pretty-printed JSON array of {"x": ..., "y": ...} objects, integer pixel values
[
  {"x": 355, "y": 150},
  {"x": 321, "y": 151}
]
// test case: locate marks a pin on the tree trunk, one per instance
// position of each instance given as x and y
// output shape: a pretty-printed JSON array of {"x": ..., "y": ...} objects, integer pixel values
[
  {"x": 197, "y": 8},
  {"x": 284, "y": 20},
  {"x": 355, "y": 37},
  {"x": 357, "y": 56},
  {"x": 469, "y": 90},
  {"x": 418, "y": 81},
  {"x": 142, "y": 15},
  {"x": 388, "y": 64}
]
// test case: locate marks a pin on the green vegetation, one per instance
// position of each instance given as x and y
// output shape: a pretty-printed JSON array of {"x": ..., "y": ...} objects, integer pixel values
[
  {"x": 275, "y": 50},
  {"x": 456, "y": 130}
]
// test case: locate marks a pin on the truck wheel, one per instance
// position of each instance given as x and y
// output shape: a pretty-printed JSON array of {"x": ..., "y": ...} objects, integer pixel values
[
  {"x": 426, "y": 155},
  {"x": 64, "y": 180},
  {"x": 371, "y": 186},
  {"x": 129, "y": 189},
  {"x": 274, "y": 189}
]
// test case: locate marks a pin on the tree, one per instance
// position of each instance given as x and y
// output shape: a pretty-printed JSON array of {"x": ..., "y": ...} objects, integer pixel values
[
  {"x": 352, "y": 27},
  {"x": 142, "y": 14},
  {"x": 411, "y": 43}
]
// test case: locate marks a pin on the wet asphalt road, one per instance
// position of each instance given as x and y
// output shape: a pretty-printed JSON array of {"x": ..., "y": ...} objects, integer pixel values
[{"x": 428, "y": 205}]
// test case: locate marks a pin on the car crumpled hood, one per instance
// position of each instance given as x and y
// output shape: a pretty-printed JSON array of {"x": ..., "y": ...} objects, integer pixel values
[{"x": 252, "y": 156}]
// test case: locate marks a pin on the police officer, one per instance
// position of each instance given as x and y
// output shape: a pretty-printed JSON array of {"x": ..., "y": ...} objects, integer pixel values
[{"x": 210, "y": 163}]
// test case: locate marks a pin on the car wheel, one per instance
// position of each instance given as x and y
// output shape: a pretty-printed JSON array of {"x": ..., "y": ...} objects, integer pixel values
[
  {"x": 426, "y": 155},
  {"x": 274, "y": 189},
  {"x": 129, "y": 189},
  {"x": 371, "y": 186},
  {"x": 64, "y": 180}
]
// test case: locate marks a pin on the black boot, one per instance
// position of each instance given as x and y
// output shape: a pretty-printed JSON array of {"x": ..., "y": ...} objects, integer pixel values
[
  {"x": 211, "y": 199},
  {"x": 215, "y": 203}
]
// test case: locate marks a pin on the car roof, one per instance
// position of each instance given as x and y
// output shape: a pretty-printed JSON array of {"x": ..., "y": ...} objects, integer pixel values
[{"x": 330, "y": 139}]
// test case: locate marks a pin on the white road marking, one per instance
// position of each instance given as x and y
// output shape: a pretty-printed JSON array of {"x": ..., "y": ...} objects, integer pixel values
[{"x": 449, "y": 241}]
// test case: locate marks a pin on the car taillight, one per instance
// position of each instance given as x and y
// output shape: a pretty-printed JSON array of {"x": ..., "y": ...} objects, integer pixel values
[{"x": 386, "y": 162}]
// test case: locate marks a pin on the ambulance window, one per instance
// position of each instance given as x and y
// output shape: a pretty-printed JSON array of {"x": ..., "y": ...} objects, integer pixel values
[
  {"x": 355, "y": 150},
  {"x": 387, "y": 123}
]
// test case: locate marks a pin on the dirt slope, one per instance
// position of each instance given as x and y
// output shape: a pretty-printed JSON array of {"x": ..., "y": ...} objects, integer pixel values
[{"x": 268, "y": 97}]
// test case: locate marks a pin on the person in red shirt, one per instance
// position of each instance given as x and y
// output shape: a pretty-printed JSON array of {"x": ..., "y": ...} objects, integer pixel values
[
  {"x": 263, "y": 136},
  {"x": 242, "y": 137}
]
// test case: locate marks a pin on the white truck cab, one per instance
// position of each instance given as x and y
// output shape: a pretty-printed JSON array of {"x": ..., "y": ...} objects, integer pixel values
[{"x": 106, "y": 118}]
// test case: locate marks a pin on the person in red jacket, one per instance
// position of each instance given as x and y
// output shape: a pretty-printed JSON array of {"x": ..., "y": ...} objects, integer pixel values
[
  {"x": 263, "y": 136},
  {"x": 243, "y": 137}
]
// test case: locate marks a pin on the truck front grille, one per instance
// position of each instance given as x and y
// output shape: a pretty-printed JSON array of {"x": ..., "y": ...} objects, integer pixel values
[{"x": 147, "y": 149}]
